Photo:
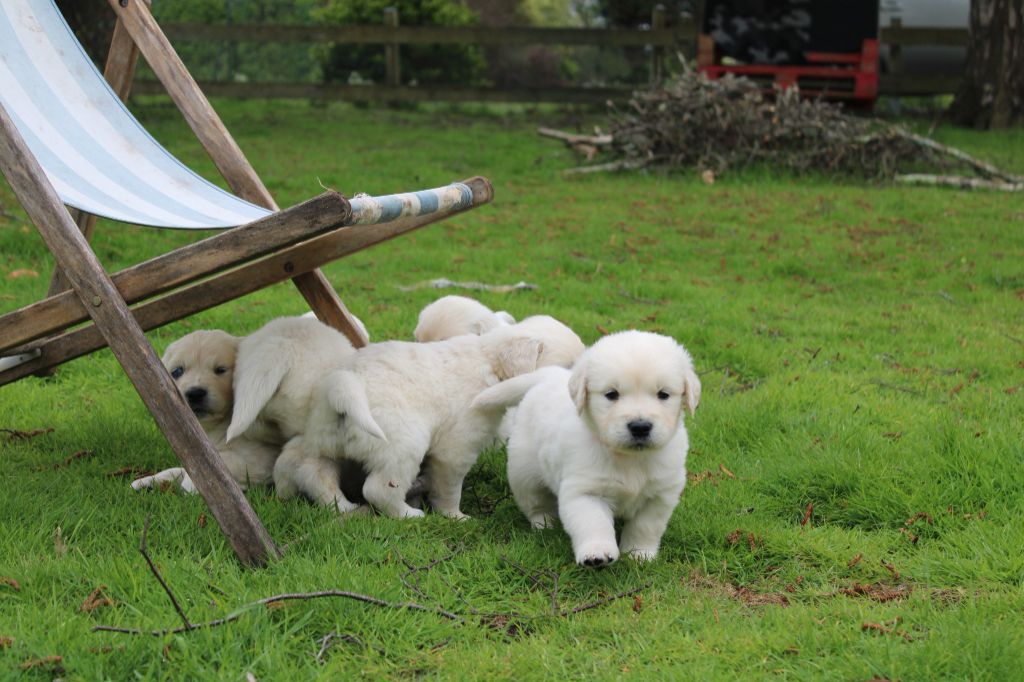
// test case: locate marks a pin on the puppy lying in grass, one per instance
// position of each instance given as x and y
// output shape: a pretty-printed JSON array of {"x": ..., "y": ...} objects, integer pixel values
[
  {"x": 451, "y": 316},
  {"x": 202, "y": 365},
  {"x": 396, "y": 401},
  {"x": 601, "y": 442},
  {"x": 251, "y": 394}
]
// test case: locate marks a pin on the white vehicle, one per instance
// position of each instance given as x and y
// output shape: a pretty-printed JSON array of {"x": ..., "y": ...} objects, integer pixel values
[{"x": 927, "y": 59}]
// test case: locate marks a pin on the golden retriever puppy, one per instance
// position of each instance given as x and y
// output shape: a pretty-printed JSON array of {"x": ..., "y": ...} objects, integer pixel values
[
  {"x": 396, "y": 401},
  {"x": 601, "y": 442},
  {"x": 278, "y": 367},
  {"x": 202, "y": 365},
  {"x": 451, "y": 316}
]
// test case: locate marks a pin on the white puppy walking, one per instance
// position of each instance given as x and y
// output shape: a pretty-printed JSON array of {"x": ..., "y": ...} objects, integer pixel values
[
  {"x": 394, "y": 402},
  {"x": 603, "y": 441}
]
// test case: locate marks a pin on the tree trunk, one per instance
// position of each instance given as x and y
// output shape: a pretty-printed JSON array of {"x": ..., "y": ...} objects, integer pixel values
[{"x": 991, "y": 94}]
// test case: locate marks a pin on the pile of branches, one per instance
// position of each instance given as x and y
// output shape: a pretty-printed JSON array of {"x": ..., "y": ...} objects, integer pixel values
[{"x": 729, "y": 123}]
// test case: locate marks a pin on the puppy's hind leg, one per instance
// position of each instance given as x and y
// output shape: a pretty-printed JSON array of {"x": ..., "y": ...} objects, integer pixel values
[
  {"x": 318, "y": 477},
  {"x": 446, "y": 477},
  {"x": 388, "y": 482},
  {"x": 532, "y": 496}
]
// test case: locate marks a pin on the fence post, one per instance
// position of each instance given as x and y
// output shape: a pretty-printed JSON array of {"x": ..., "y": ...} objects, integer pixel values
[
  {"x": 392, "y": 65},
  {"x": 658, "y": 21},
  {"x": 895, "y": 49}
]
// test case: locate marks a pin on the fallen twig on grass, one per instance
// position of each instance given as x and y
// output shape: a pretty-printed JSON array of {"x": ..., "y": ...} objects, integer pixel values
[
  {"x": 609, "y": 167},
  {"x": 444, "y": 283},
  {"x": 556, "y": 608},
  {"x": 241, "y": 611},
  {"x": 15, "y": 434},
  {"x": 327, "y": 641},
  {"x": 606, "y": 600},
  {"x": 958, "y": 181},
  {"x": 266, "y": 601},
  {"x": 160, "y": 578},
  {"x": 982, "y": 167},
  {"x": 574, "y": 138}
]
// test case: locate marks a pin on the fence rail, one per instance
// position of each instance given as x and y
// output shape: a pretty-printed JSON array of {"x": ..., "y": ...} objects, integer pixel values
[{"x": 390, "y": 35}]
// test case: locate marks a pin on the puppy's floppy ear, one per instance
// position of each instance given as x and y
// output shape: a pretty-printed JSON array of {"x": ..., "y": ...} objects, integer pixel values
[
  {"x": 578, "y": 384},
  {"x": 691, "y": 388},
  {"x": 518, "y": 355}
]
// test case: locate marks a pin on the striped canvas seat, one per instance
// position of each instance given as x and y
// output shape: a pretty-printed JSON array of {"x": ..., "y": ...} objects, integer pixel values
[{"x": 101, "y": 160}]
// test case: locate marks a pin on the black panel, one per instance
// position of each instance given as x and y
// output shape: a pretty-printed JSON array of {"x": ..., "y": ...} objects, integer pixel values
[{"x": 782, "y": 31}]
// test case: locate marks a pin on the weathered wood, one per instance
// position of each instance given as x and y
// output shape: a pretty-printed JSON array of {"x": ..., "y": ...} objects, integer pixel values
[
  {"x": 432, "y": 35},
  {"x": 572, "y": 139},
  {"x": 218, "y": 143},
  {"x": 186, "y": 264},
  {"x": 392, "y": 60},
  {"x": 980, "y": 166},
  {"x": 328, "y": 306},
  {"x": 959, "y": 181},
  {"x": 420, "y": 93},
  {"x": 303, "y": 257},
  {"x": 114, "y": 321}
]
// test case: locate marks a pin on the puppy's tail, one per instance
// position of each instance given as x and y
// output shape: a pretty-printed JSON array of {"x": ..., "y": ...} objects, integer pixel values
[
  {"x": 253, "y": 390},
  {"x": 346, "y": 394},
  {"x": 509, "y": 392}
]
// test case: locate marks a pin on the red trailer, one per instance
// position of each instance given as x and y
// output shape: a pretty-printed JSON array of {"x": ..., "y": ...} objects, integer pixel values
[{"x": 827, "y": 49}]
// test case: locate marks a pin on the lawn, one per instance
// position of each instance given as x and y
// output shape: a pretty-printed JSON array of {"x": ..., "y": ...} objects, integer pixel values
[{"x": 855, "y": 507}]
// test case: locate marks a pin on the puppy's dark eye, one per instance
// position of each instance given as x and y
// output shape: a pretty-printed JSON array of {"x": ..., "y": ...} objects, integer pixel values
[
  {"x": 612, "y": 395},
  {"x": 220, "y": 370},
  {"x": 177, "y": 372},
  {"x": 663, "y": 395}
]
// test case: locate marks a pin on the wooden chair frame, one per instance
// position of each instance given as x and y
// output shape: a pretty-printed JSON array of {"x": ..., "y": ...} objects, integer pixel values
[{"x": 288, "y": 244}]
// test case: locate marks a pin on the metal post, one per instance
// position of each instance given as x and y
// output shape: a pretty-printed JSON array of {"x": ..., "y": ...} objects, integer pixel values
[
  {"x": 658, "y": 21},
  {"x": 392, "y": 63}
]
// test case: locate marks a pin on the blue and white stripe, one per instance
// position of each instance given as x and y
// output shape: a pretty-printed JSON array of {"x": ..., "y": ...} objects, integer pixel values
[
  {"x": 101, "y": 160},
  {"x": 367, "y": 210},
  {"x": 98, "y": 157}
]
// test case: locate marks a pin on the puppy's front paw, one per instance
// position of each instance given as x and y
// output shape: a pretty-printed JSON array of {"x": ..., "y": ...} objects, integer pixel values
[
  {"x": 597, "y": 554},
  {"x": 641, "y": 554},
  {"x": 411, "y": 513}
]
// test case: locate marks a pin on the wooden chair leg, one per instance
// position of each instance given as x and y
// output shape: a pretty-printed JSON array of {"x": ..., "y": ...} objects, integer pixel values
[
  {"x": 146, "y": 34},
  {"x": 327, "y": 305},
  {"x": 250, "y": 540}
]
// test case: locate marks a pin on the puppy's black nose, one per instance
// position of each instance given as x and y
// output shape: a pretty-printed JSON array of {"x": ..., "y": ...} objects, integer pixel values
[
  {"x": 195, "y": 395},
  {"x": 640, "y": 429}
]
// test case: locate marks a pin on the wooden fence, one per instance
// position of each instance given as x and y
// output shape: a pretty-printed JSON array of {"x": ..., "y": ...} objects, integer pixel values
[{"x": 659, "y": 38}]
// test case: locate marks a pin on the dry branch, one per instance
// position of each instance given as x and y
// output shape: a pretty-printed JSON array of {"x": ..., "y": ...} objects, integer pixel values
[
  {"x": 958, "y": 181},
  {"x": 729, "y": 123},
  {"x": 574, "y": 139}
]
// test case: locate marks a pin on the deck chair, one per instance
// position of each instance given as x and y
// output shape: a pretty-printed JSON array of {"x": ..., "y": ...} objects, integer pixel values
[{"x": 71, "y": 151}]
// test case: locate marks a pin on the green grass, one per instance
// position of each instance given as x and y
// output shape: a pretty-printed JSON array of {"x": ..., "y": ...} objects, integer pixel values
[{"x": 861, "y": 349}]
